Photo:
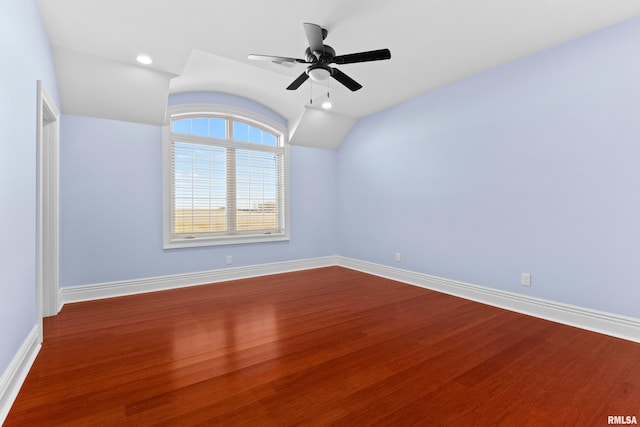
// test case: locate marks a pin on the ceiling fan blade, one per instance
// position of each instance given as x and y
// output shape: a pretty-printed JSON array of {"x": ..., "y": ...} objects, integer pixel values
[
  {"x": 345, "y": 80},
  {"x": 372, "y": 55},
  {"x": 314, "y": 36},
  {"x": 297, "y": 82},
  {"x": 277, "y": 59}
]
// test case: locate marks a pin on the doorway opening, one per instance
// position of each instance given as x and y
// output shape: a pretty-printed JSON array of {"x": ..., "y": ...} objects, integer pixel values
[{"x": 48, "y": 158}]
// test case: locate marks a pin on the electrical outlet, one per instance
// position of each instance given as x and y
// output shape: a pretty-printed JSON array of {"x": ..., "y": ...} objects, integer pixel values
[
  {"x": 229, "y": 260},
  {"x": 398, "y": 259},
  {"x": 525, "y": 279}
]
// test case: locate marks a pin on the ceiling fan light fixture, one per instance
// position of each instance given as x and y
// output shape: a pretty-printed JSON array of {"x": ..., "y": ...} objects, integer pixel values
[{"x": 319, "y": 73}]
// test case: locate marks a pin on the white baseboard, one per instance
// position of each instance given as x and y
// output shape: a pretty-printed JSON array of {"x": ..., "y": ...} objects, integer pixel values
[
  {"x": 605, "y": 323},
  {"x": 627, "y": 328},
  {"x": 152, "y": 284},
  {"x": 17, "y": 371}
]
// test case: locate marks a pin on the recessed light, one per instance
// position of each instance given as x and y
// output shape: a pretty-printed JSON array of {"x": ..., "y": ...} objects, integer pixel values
[
  {"x": 144, "y": 59},
  {"x": 327, "y": 103}
]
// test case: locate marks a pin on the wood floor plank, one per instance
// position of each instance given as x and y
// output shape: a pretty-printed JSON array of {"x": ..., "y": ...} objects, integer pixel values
[{"x": 328, "y": 346}]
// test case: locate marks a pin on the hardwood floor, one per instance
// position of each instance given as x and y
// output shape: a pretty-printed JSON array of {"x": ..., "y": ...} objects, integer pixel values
[{"x": 317, "y": 347}]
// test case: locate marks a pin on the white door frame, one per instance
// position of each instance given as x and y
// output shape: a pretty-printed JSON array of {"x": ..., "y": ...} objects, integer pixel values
[{"x": 48, "y": 147}]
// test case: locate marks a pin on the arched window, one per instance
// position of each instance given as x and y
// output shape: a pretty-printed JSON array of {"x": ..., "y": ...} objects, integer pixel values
[{"x": 225, "y": 177}]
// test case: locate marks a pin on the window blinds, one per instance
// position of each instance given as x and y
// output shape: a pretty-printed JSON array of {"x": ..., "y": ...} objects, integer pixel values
[{"x": 225, "y": 186}]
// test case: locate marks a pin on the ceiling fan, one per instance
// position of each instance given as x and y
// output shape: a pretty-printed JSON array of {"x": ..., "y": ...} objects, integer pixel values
[{"x": 320, "y": 56}]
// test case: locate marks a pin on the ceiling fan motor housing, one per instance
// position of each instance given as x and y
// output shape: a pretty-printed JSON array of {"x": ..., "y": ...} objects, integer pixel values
[{"x": 323, "y": 57}]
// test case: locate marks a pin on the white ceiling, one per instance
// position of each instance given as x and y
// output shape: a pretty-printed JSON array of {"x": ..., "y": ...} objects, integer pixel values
[{"x": 203, "y": 45}]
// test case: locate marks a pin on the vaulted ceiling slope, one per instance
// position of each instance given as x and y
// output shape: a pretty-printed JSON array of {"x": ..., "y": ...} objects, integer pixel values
[{"x": 203, "y": 45}]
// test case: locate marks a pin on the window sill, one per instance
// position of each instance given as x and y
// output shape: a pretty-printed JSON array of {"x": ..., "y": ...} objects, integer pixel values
[{"x": 223, "y": 240}]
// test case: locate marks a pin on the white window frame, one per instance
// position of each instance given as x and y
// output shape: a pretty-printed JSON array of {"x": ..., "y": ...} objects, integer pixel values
[{"x": 169, "y": 240}]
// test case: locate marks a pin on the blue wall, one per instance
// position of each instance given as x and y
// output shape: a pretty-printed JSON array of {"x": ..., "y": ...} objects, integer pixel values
[
  {"x": 111, "y": 204},
  {"x": 529, "y": 167},
  {"x": 26, "y": 58}
]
